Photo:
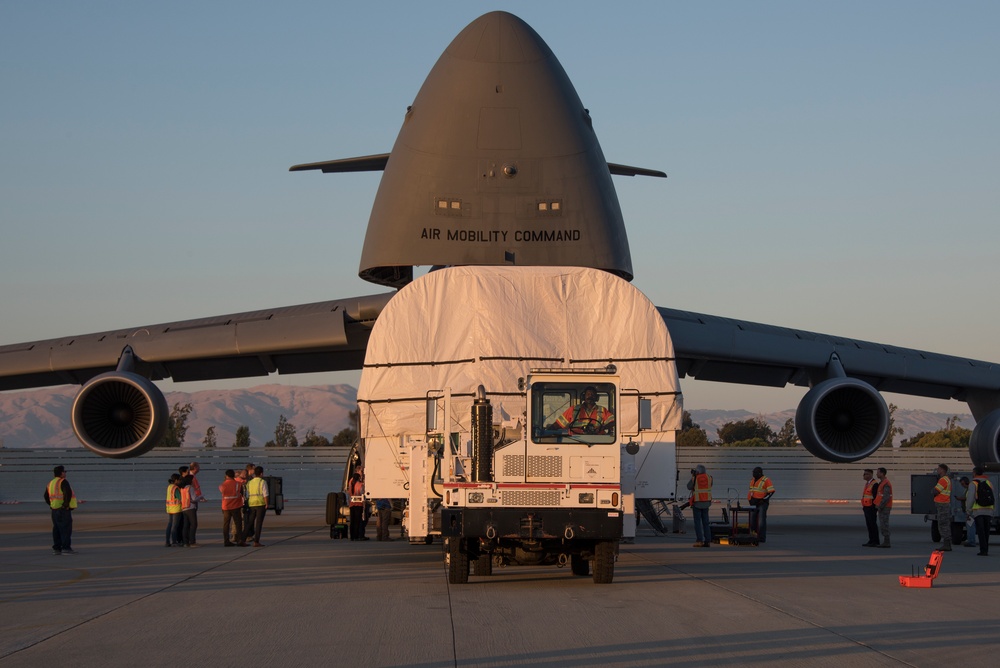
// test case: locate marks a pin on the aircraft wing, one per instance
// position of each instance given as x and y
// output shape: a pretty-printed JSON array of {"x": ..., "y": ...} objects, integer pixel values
[
  {"x": 324, "y": 336},
  {"x": 736, "y": 351},
  {"x": 377, "y": 163}
]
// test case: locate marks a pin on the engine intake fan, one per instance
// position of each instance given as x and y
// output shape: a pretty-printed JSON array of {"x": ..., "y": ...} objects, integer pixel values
[
  {"x": 120, "y": 414},
  {"x": 842, "y": 420},
  {"x": 984, "y": 446}
]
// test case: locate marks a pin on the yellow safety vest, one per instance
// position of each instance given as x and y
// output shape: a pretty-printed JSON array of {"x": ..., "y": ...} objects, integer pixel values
[
  {"x": 255, "y": 492},
  {"x": 56, "y": 495},
  {"x": 977, "y": 482},
  {"x": 173, "y": 500}
]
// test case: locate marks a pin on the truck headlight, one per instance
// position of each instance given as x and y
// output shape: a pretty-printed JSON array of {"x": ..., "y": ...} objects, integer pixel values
[
  {"x": 475, "y": 497},
  {"x": 587, "y": 497}
]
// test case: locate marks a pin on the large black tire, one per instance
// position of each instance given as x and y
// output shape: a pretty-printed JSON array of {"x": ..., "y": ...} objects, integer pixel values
[
  {"x": 484, "y": 565},
  {"x": 331, "y": 510},
  {"x": 579, "y": 565},
  {"x": 458, "y": 562},
  {"x": 957, "y": 532},
  {"x": 604, "y": 561}
]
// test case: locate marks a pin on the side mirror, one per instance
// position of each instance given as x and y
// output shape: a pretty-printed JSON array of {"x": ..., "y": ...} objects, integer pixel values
[
  {"x": 431, "y": 414},
  {"x": 645, "y": 414}
]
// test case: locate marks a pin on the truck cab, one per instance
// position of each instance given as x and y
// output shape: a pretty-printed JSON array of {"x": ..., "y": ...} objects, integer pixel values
[{"x": 553, "y": 496}]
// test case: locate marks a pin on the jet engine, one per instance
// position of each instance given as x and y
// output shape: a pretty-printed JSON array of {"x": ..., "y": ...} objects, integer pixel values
[
  {"x": 842, "y": 420},
  {"x": 120, "y": 414},
  {"x": 984, "y": 446}
]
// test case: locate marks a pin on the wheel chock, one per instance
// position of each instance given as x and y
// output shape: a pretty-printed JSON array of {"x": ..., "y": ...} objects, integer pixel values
[{"x": 931, "y": 571}]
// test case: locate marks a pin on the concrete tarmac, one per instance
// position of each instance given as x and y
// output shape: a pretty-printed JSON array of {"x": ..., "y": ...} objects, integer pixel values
[{"x": 811, "y": 595}]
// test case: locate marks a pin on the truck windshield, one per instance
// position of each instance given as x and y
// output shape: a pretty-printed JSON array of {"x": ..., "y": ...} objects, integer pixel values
[{"x": 573, "y": 413}]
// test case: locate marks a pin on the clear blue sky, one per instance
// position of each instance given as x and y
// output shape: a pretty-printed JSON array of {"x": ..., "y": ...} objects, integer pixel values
[{"x": 833, "y": 166}]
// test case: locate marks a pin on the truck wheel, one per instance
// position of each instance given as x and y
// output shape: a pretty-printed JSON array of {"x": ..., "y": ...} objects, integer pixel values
[
  {"x": 484, "y": 565},
  {"x": 604, "y": 561},
  {"x": 331, "y": 510},
  {"x": 579, "y": 565},
  {"x": 458, "y": 563}
]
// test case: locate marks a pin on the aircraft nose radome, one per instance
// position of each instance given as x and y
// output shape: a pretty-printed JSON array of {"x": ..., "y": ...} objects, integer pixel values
[
  {"x": 498, "y": 37},
  {"x": 496, "y": 163}
]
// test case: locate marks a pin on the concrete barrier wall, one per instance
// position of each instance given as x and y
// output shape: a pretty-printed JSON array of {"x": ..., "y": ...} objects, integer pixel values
[
  {"x": 307, "y": 473},
  {"x": 796, "y": 474},
  {"x": 310, "y": 473}
]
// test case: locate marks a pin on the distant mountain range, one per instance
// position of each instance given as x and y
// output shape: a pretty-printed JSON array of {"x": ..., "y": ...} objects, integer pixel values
[{"x": 40, "y": 418}]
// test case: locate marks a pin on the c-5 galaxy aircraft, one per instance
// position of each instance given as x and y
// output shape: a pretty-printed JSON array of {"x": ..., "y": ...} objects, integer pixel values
[{"x": 496, "y": 163}]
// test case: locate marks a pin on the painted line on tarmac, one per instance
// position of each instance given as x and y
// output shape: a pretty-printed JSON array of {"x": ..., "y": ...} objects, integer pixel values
[
  {"x": 770, "y": 606},
  {"x": 236, "y": 557}
]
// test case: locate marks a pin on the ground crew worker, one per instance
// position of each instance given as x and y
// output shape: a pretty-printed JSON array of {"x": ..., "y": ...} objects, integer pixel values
[
  {"x": 190, "y": 521},
  {"x": 243, "y": 477},
  {"x": 869, "y": 509},
  {"x": 356, "y": 494},
  {"x": 700, "y": 485},
  {"x": 232, "y": 510},
  {"x": 174, "y": 516},
  {"x": 759, "y": 496},
  {"x": 61, "y": 499},
  {"x": 196, "y": 498},
  {"x": 384, "y": 508},
  {"x": 970, "y": 521},
  {"x": 883, "y": 502},
  {"x": 257, "y": 500},
  {"x": 942, "y": 502},
  {"x": 982, "y": 513}
]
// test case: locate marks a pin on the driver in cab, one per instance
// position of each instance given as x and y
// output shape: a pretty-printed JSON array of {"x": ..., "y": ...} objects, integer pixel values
[{"x": 586, "y": 417}]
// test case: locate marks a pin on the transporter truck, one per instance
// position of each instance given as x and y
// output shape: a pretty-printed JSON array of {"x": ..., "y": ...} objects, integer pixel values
[
  {"x": 556, "y": 496},
  {"x": 519, "y": 412}
]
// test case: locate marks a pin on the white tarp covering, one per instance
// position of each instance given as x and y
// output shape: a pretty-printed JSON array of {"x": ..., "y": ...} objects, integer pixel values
[{"x": 463, "y": 327}]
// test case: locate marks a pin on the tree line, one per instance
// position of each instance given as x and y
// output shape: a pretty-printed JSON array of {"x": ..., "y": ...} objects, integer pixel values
[
  {"x": 285, "y": 433},
  {"x": 756, "y": 433},
  {"x": 752, "y": 432}
]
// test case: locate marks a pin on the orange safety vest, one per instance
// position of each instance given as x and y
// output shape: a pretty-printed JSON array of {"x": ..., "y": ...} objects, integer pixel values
[
  {"x": 867, "y": 496},
  {"x": 232, "y": 495},
  {"x": 881, "y": 491},
  {"x": 186, "y": 498},
  {"x": 56, "y": 495},
  {"x": 943, "y": 489},
  {"x": 173, "y": 500},
  {"x": 760, "y": 488},
  {"x": 357, "y": 492},
  {"x": 578, "y": 418},
  {"x": 702, "y": 488}
]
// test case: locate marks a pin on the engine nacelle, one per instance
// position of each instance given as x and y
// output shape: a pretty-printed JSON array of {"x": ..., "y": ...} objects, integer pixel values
[
  {"x": 120, "y": 414},
  {"x": 842, "y": 420},
  {"x": 984, "y": 446}
]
